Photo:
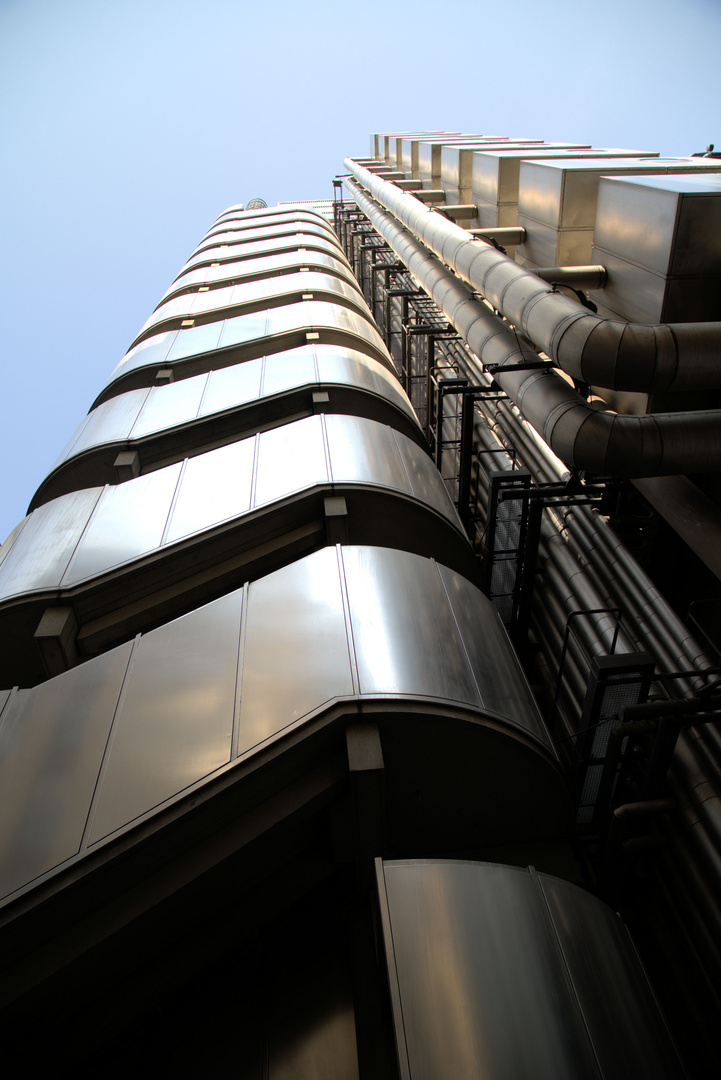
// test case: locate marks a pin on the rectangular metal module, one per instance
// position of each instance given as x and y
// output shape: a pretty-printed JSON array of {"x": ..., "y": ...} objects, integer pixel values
[
  {"x": 647, "y": 236},
  {"x": 562, "y": 196}
]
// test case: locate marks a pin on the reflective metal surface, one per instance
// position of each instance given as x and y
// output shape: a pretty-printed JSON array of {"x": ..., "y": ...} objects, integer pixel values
[
  {"x": 215, "y": 487},
  {"x": 231, "y": 238},
  {"x": 52, "y": 741},
  {"x": 337, "y": 624},
  {"x": 488, "y": 650},
  {"x": 40, "y": 554},
  {"x": 175, "y": 721},
  {"x": 395, "y": 650},
  {"x": 243, "y": 222},
  {"x": 128, "y": 521},
  {"x": 196, "y": 341},
  {"x": 248, "y": 269},
  {"x": 250, "y": 250},
  {"x": 489, "y": 979},
  {"x": 658, "y": 237},
  {"x": 297, "y": 651},
  {"x": 150, "y": 419},
  {"x": 563, "y": 196},
  {"x": 81, "y": 535},
  {"x": 223, "y": 302}
]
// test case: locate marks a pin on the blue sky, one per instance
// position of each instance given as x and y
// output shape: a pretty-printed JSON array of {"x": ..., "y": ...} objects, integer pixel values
[{"x": 127, "y": 126}]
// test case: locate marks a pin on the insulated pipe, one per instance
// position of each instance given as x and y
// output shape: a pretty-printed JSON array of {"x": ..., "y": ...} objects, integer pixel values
[
  {"x": 597, "y": 351},
  {"x": 579, "y": 432}
]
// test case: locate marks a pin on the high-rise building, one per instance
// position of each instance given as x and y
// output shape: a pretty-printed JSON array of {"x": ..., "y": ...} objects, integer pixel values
[{"x": 277, "y": 795}]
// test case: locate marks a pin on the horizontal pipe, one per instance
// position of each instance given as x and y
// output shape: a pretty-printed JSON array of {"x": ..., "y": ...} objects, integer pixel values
[
  {"x": 601, "y": 352},
  {"x": 502, "y": 234},
  {"x": 580, "y": 433},
  {"x": 577, "y": 277},
  {"x": 430, "y": 195},
  {"x": 459, "y": 210}
]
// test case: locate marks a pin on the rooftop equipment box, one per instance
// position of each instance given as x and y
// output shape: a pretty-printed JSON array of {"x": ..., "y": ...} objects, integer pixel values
[
  {"x": 557, "y": 202},
  {"x": 429, "y": 154},
  {"x": 495, "y": 177},
  {"x": 660, "y": 241}
]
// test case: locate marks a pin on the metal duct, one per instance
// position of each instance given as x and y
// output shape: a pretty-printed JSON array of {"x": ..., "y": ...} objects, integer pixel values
[
  {"x": 598, "y": 351},
  {"x": 581, "y": 433}
]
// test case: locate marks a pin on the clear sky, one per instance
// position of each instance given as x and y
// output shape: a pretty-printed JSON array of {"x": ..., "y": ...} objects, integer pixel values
[{"x": 129, "y": 125}]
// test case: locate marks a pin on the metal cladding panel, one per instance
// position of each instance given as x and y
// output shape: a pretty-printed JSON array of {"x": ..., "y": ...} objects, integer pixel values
[
  {"x": 669, "y": 224},
  {"x": 481, "y": 991},
  {"x": 502, "y": 684},
  {"x": 241, "y": 223},
  {"x": 390, "y": 596},
  {"x": 171, "y": 346},
  {"x": 546, "y": 246},
  {"x": 296, "y": 654},
  {"x": 425, "y": 481},
  {"x": 540, "y": 191},
  {"x": 215, "y": 487},
  {"x": 280, "y": 265},
  {"x": 430, "y": 151},
  {"x": 482, "y": 988},
  {"x": 338, "y": 623},
  {"x": 215, "y": 258},
  {"x": 167, "y": 406},
  {"x": 290, "y": 458},
  {"x": 91, "y": 532},
  {"x": 343, "y": 366},
  {"x": 627, "y": 1030},
  {"x": 128, "y": 522},
  {"x": 153, "y": 351},
  {"x": 640, "y": 295},
  {"x": 41, "y": 552},
  {"x": 12, "y": 539},
  {"x": 196, "y": 339},
  {"x": 458, "y": 166},
  {"x": 236, "y": 331},
  {"x": 68, "y": 449},
  {"x": 359, "y": 452},
  {"x": 257, "y": 229},
  {"x": 635, "y": 293},
  {"x": 109, "y": 422},
  {"x": 175, "y": 722},
  {"x": 283, "y": 370},
  {"x": 487, "y": 213},
  {"x": 408, "y": 162},
  {"x": 52, "y": 741},
  {"x": 386, "y": 383},
  {"x": 231, "y": 237},
  {"x": 232, "y": 385},
  {"x": 217, "y": 301}
]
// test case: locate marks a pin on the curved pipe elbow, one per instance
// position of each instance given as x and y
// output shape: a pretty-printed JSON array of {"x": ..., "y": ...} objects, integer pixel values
[{"x": 661, "y": 444}]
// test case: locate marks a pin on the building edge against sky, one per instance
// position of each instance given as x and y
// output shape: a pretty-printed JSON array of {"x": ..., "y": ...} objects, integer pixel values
[{"x": 251, "y": 654}]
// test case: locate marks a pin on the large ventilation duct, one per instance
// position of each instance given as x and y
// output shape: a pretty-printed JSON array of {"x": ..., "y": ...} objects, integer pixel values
[
  {"x": 582, "y": 434},
  {"x": 598, "y": 351}
]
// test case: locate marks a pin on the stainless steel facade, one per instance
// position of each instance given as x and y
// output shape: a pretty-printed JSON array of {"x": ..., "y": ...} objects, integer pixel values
[{"x": 265, "y": 743}]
